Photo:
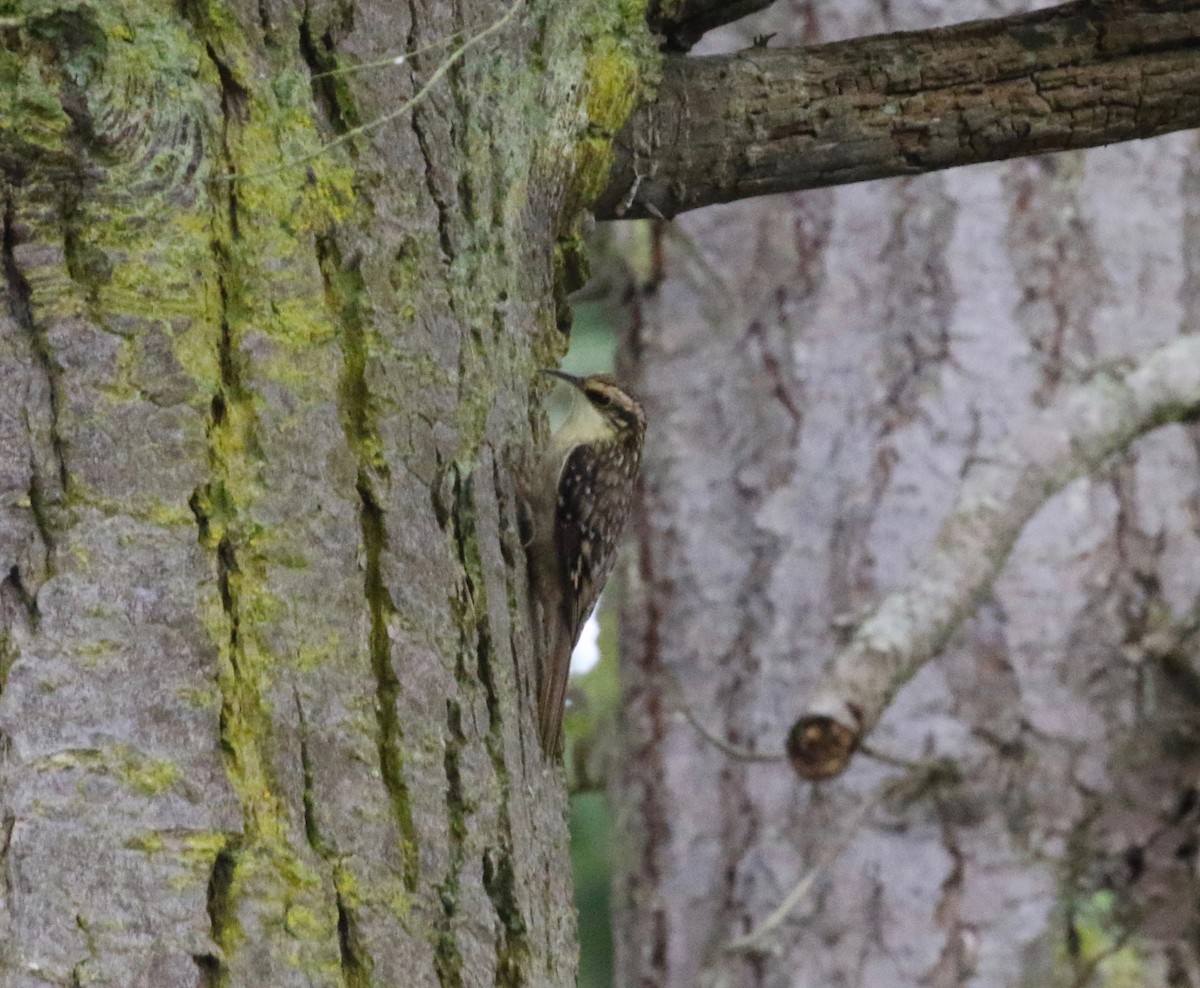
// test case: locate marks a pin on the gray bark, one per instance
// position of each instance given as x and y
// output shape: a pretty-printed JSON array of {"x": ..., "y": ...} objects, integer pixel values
[
  {"x": 1001, "y": 491},
  {"x": 266, "y": 709},
  {"x": 820, "y": 369}
]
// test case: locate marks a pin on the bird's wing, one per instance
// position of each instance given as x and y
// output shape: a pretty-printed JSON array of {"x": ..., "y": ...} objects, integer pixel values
[
  {"x": 579, "y": 548},
  {"x": 581, "y": 539}
]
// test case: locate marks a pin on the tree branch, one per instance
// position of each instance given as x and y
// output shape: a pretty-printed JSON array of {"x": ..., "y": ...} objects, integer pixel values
[
  {"x": 999, "y": 495},
  {"x": 776, "y": 120},
  {"x": 684, "y": 22}
]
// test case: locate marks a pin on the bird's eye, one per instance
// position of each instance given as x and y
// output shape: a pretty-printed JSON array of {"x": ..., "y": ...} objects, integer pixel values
[{"x": 602, "y": 398}]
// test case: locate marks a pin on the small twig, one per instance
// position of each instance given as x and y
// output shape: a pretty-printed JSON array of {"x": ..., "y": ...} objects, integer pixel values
[
  {"x": 750, "y": 755},
  {"x": 833, "y": 850},
  {"x": 446, "y": 65},
  {"x": 896, "y": 761},
  {"x": 728, "y": 747},
  {"x": 631, "y": 195},
  {"x": 391, "y": 60}
]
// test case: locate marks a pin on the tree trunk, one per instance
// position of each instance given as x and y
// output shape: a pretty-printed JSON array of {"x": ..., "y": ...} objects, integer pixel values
[
  {"x": 819, "y": 370},
  {"x": 266, "y": 352}
]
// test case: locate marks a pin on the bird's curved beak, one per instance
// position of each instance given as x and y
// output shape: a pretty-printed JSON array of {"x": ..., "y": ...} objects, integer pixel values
[{"x": 564, "y": 376}]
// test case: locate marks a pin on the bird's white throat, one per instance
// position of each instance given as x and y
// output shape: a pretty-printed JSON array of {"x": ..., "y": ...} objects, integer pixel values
[{"x": 583, "y": 423}]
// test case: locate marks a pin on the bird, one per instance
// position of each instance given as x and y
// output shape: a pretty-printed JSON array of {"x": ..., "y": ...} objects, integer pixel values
[{"x": 577, "y": 501}]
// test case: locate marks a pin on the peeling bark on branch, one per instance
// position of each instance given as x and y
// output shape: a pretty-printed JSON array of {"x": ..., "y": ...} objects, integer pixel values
[
  {"x": 999, "y": 496},
  {"x": 762, "y": 121}
]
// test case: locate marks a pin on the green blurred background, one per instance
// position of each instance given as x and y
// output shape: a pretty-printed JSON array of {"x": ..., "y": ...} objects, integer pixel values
[{"x": 594, "y": 701}]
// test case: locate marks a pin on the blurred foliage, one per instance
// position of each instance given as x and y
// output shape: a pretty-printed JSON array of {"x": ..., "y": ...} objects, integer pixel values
[
  {"x": 591, "y": 709},
  {"x": 594, "y": 697},
  {"x": 593, "y": 338},
  {"x": 591, "y": 857},
  {"x": 1098, "y": 951},
  {"x": 593, "y": 351},
  {"x": 591, "y": 720}
]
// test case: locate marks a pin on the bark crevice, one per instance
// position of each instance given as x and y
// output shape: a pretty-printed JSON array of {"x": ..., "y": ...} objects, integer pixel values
[
  {"x": 345, "y": 295},
  {"x": 355, "y": 960},
  {"x": 222, "y": 915},
  {"x": 387, "y": 684},
  {"x": 356, "y": 964},
  {"x": 312, "y": 832},
  {"x": 219, "y": 506},
  {"x": 512, "y": 943},
  {"x": 328, "y": 93},
  {"x": 20, "y": 303},
  {"x": 468, "y": 611},
  {"x": 14, "y": 584},
  {"x": 447, "y": 958},
  {"x": 440, "y": 200}
]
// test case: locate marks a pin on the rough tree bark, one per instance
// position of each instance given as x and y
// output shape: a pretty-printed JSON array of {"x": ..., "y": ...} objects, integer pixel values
[
  {"x": 267, "y": 341},
  {"x": 266, "y": 692},
  {"x": 765, "y": 120},
  {"x": 821, "y": 369}
]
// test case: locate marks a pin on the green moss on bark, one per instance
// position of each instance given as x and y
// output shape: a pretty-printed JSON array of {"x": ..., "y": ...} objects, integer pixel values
[{"x": 198, "y": 198}]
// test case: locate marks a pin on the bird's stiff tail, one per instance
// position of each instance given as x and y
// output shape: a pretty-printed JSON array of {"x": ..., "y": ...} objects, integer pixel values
[{"x": 552, "y": 692}]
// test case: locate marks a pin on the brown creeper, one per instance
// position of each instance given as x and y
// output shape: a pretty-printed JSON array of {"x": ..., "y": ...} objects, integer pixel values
[{"x": 578, "y": 501}]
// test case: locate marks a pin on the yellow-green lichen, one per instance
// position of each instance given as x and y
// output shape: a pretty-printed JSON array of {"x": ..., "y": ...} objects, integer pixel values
[
  {"x": 305, "y": 922},
  {"x": 202, "y": 846},
  {"x": 31, "y": 113},
  {"x": 217, "y": 24},
  {"x": 619, "y": 70},
  {"x": 206, "y": 697},
  {"x": 149, "y": 842},
  {"x": 612, "y": 81},
  {"x": 1101, "y": 944},
  {"x": 400, "y": 903},
  {"x": 593, "y": 160},
  {"x": 245, "y": 719},
  {"x": 169, "y": 515},
  {"x": 311, "y": 657},
  {"x": 91, "y": 654},
  {"x": 145, "y": 775}
]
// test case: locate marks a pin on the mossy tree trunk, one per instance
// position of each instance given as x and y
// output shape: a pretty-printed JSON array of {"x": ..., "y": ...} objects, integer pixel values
[{"x": 265, "y": 667}]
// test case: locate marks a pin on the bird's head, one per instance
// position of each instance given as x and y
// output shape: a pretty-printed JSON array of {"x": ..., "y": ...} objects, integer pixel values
[{"x": 612, "y": 402}]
